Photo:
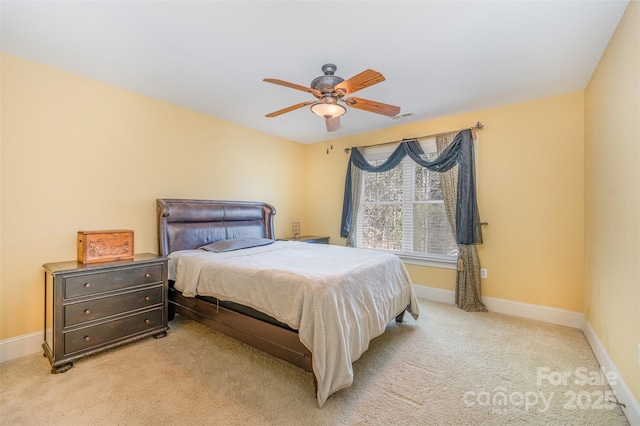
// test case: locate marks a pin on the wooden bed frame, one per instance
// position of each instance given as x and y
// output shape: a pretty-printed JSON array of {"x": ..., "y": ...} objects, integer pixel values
[{"x": 185, "y": 224}]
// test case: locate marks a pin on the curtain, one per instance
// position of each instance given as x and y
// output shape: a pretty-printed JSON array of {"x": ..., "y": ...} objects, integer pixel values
[
  {"x": 466, "y": 219},
  {"x": 467, "y": 292},
  {"x": 460, "y": 152},
  {"x": 356, "y": 189}
]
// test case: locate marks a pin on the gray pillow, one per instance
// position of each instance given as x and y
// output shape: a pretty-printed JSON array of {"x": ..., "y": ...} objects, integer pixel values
[{"x": 236, "y": 244}]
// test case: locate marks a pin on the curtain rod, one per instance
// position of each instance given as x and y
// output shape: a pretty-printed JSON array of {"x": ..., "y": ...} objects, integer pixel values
[{"x": 478, "y": 126}]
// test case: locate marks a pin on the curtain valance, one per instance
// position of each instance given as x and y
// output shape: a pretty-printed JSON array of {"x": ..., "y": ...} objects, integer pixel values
[{"x": 460, "y": 151}]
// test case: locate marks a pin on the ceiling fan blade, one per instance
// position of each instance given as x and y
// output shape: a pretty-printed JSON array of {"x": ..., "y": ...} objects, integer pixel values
[
  {"x": 314, "y": 92},
  {"x": 288, "y": 109},
  {"x": 373, "y": 106},
  {"x": 333, "y": 124},
  {"x": 360, "y": 81}
]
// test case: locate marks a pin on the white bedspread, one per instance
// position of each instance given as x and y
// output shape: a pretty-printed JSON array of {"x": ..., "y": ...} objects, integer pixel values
[{"x": 338, "y": 298}]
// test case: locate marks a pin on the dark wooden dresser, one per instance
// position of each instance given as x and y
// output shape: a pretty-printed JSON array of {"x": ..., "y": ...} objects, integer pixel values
[{"x": 93, "y": 307}]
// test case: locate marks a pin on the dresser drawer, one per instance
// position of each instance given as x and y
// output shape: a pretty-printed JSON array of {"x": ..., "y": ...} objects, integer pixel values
[
  {"x": 99, "y": 282},
  {"x": 89, "y": 310},
  {"x": 108, "y": 332}
]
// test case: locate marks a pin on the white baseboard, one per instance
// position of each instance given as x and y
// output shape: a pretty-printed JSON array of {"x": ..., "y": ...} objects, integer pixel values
[
  {"x": 435, "y": 294},
  {"x": 28, "y": 344},
  {"x": 623, "y": 393},
  {"x": 17, "y": 347},
  {"x": 535, "y": 312},
  {"x": 31, "y": 343},
  {"x": 509, "y": 307}
]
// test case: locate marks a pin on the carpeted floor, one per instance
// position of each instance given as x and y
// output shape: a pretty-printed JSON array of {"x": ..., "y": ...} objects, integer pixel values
[{"x": 448, "y": 368}]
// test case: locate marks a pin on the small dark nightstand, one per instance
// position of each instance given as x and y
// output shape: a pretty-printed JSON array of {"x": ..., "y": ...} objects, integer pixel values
[{"x": 308, "y": 239}]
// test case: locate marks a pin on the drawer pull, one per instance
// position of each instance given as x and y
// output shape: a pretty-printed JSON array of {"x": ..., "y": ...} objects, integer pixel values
[
  {"x": 147, "y": 275},
  {"x": 87, "y": 311},
  {"x": 87, "y": 338},
  {"x": 147, "y": 321},
  {"x": 87, "y": 285},
  {"x": 147, "y": 298}
]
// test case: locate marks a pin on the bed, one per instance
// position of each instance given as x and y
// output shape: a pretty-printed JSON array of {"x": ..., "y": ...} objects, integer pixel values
[{"x": 316, "y": 306}]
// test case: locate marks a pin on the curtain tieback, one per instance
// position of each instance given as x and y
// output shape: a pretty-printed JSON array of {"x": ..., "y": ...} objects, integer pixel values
[{"x": 460, "y": 264}]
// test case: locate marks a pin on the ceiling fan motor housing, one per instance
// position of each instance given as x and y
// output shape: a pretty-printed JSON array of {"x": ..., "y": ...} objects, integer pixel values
[{"x": 326, "y": 83}]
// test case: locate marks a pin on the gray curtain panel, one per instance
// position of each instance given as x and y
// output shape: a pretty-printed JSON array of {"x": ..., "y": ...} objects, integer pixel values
[{"x": 468, "y": 294}]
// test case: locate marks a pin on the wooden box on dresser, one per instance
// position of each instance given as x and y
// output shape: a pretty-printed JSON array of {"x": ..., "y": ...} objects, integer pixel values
[{"x": 93, "y": 307}]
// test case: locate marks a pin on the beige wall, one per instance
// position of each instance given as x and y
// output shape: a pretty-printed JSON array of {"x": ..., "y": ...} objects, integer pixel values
[
  {"x": 82, "y": 155},
  {"x": 78, "y": 154},
  {"x": 612, "y": 198},
  {"x": 530, "y": 190}
]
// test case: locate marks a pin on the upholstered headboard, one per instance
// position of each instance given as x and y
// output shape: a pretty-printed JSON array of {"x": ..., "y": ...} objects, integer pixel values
[{"x": 185, "y": 224}]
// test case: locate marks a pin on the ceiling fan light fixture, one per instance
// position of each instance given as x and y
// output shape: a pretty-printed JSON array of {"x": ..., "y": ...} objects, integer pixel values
[{"x": 328, "y": 109}]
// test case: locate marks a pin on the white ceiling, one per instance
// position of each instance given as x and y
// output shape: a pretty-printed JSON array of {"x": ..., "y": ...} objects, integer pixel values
[{"x": 439, "y": 57}]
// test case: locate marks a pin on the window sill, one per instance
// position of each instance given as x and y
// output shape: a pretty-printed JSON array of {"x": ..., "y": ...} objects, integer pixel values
[
  {"x": 432, "y": 260},
  {"x": 446, "y": 262}
]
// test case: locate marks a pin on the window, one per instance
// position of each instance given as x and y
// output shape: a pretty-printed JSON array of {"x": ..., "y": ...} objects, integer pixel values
[{"x": 402, "y": 210}]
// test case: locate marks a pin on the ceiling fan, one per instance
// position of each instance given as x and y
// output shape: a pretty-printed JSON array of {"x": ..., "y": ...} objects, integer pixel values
[{"x": 329, "y": 89}]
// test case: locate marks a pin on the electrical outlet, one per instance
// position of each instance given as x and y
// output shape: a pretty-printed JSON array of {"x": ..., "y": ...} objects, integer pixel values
[{"x": 483, "y": 274}]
